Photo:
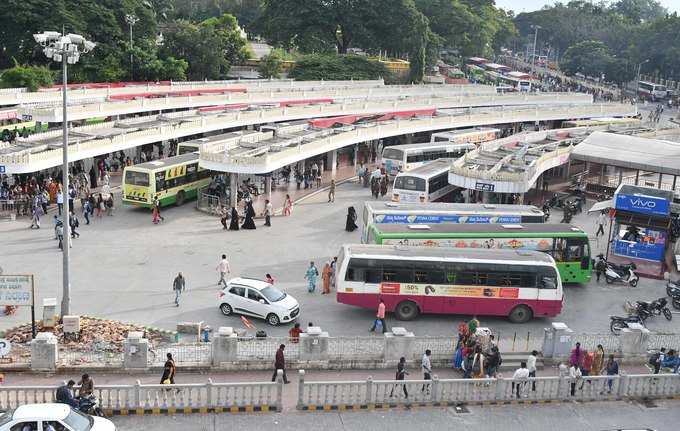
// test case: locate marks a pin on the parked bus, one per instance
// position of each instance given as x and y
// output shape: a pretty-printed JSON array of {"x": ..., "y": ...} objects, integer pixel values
[
  {"x": 428, "y": 183},
  {"x": 172, "y": 181},
  {"x": 421, "y": 280},
  {"x": 608, "y": 121},
  {"x": 443, "y": 213},
  {"x": 567, "y": 244},
  {"x": 519, "y": 84},
  {"x": 652, "y": 91}
]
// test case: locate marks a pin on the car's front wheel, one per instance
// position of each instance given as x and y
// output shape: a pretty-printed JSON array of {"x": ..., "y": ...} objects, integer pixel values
[
  {"x": 273, "y": 319},
  {"x": 226, "y": 309}
]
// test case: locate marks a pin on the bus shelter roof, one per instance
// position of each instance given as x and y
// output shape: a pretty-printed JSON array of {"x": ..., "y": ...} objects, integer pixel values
[{"x": 630, "y": 152}]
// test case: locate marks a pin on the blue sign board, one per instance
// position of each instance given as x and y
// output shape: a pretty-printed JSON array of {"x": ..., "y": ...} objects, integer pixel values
[
  {"x": 643, "y": 204},
  {"x": 2, "y": 169},
  {"x": 437, "y": 219},
  {"x": 638, "y": 250}
]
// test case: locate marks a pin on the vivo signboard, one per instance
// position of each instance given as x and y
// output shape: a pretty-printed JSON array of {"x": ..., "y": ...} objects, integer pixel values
[{"x": 643, "y": 204}]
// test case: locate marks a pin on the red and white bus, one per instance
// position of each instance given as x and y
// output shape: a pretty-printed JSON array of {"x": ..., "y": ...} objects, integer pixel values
[{"x": 415, "y": 280}]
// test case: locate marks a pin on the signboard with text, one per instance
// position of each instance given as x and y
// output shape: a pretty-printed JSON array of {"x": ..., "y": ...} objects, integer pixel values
[
  {"x": 484, "y": 187},
  {"x": 445, "y": 218},
  {"x": 16, "y": 290},
  {"x": 643, "y": 204}
]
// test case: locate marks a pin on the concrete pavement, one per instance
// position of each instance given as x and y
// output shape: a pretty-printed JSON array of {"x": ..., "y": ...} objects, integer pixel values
[{"x": 559, "y": 417}]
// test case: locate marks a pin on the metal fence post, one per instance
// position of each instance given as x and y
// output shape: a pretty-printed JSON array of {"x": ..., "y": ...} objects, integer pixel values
[
  {"x": 137, "y": 395},
  {"x": 301, "y": 389},
  {"x": 369, "y": 390}
]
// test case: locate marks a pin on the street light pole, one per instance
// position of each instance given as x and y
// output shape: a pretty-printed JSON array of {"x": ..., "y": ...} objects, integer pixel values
[
  {"x": 637, "y": 79},
  {"x": 131, "y": 20},
  {"x": 65, "y": 49},
  {"x": 533, "y": 57}
]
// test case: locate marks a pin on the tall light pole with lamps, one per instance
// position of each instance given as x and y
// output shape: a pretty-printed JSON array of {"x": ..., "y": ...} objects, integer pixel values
[
  {"x": 533, "y": 57},
  {"x": 131, "y": 20},
  {"x": 637, "y": 79},
  {"x": 65, "y": 49}
]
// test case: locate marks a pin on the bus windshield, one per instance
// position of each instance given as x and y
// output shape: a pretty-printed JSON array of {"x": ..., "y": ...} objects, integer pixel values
[
  {"x": 137, "y": 178},
  {"x": 393, "y": 153},
  {"x": 410, "y": 183}
]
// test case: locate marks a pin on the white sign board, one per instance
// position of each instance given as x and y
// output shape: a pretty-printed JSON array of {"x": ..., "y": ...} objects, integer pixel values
[
  {"x": 16, "y": 290},
  {"x": 5, "y": 347}
]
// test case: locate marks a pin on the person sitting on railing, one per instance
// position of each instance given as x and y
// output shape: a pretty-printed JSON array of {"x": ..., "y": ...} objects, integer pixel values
[
  {"x": 64, "y": 394},
  {"x": 672, "y": 361}
]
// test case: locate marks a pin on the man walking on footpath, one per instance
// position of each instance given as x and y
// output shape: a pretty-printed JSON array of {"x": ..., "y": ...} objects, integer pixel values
[
  {"x": 520, "y": 378},
  {"x": 280, "y": 364},
  {"x": 427, "y": 371},
  {"x": 331, "y": 192},
  {"x": 380, "y": 315},
  {"x": 178, "y": 285},
  {"x": 268, "y": 212},
  {"x": 169, "y": 370},
  {"x": 600, "y": 222},
  {"x": 223, "y": 269},
  {"x": 531, "y": 366}
]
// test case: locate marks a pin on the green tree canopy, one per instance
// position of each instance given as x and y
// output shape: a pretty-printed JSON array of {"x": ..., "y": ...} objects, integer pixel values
[
  {"x": 336, "y": 67},
  {"x": 31, "y": 77},
  {"x": 271, "y": 65},
  {"x": 590, "y": 58}
]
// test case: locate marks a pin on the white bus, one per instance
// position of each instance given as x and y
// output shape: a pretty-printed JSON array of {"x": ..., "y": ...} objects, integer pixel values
[
  {"x": 450, "y": 144},
  {"x": 517, "y": 80},
  {"x": 445, "y": 213},
  {"x": 428, "y": 183},
  {"x": 423, "y": 280},
  {"x": 652, "y": 91}
]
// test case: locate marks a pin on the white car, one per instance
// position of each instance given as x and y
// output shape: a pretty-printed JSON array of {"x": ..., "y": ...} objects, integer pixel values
[
  {"x": 51, "y": 417},
  {"x": 258, "y": 298}
]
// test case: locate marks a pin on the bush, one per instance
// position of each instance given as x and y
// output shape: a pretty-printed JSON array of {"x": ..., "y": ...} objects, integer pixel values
[
  {"x": 316, "y": 67},
  {"x": 270, "y": 66},
  {"x": 31, "y": 77}
]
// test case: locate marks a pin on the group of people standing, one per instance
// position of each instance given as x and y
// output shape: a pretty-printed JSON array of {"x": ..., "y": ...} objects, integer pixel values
[
  {"x": 327, "y": 276},
  {"x": 585, "y": 364}
]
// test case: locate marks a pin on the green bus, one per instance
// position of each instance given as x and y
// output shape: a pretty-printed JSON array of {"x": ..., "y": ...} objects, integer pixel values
[
  {"x": 172, "y": 181},
  {"x": 567, "y": 244}
]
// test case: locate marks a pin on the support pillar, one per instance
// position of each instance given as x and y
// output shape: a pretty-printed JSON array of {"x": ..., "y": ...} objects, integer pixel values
[
  {"x": 224, "y": 347},
  {"x": 334, "y": 163},
  {"x": 233, "y": 190},
  {"x": 620, "y": 176},
  {"x": 660, "y": 180},
  {"x": 637, "y": 177},
  {"x": 675, "y": 179},
  {"x": 268, "y": 186},
  {"x": 398, "y": 343},
  {"x": 355, "y": 156}
]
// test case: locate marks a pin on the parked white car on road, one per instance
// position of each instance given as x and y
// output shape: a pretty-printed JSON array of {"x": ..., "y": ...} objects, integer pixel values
[
  {"x": 258, "y": 298},
  {"x": 49, "y": 417}
]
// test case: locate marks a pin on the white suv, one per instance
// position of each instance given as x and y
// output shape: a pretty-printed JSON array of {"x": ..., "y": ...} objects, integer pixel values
[
  {"x": 258, "y": 298},
  {"x": 52, "y": 416}
]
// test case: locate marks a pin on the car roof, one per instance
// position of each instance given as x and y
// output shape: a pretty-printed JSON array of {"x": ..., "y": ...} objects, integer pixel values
[
  {"x": 254, "y": 283},
  {"x": 52, "y": 411}
]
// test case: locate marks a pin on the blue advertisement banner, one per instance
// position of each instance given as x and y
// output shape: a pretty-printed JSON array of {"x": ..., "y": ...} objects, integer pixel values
[
  {"x": 437, "y": 219},
  {"x": 642, "y": 204},
  {"x": 638, "y": 250}
]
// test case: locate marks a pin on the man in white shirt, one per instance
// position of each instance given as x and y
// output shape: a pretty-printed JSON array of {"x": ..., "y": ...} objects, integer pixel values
[
  {"x": 223, "y": 268},
  {"x": 426, "y": 365},
  {"x": 531, "y": 366},
  {"x": 268, "y": 212},
  {"x": 601, "y": 221},
  {"x": 520, "y": 378}
]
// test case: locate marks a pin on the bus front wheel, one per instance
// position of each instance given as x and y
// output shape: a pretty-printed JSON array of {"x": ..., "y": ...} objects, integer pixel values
[
  {"x": 406, "y": 310},
  {"x": 520, "y": 314},
  {"x": 179, "y": 200}
]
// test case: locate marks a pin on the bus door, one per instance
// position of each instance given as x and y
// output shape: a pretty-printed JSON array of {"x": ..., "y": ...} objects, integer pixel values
[{"x": 573, "y": 258}]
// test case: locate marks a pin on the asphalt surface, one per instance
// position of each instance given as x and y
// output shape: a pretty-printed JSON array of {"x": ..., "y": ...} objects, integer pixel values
[{"x": 123, "y": 267}]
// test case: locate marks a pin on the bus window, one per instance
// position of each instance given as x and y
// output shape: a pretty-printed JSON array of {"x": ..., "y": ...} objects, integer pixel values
[
  {"x": 137, "y": 178},
  {"x": 410, "y": 183},
  {"x": 438, "y": 182},
  {"x": 547, "y": 282},
  {"x": 574, "y": 251},
  {"x": 429, "y": 273},
  {"x": 368, "y": 271},
  {"x": 192, "y": 174},
  {"x": 160, "y": 181},
  {"x": 394, "y": 154},
  {"x": 396, "y": 272}
]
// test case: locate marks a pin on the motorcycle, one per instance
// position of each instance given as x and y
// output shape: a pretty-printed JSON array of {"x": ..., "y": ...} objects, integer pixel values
[
  {"x": 89, "y": 404},
  {"x": 673, "y": 290},
  {"x": 620, "y": 322},
  {"x": 653, "y": 308},
  {"x": 619, "y": 273}
]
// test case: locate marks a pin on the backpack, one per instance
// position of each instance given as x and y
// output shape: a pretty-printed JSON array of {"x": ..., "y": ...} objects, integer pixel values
[{"x": 654, "y": 358}]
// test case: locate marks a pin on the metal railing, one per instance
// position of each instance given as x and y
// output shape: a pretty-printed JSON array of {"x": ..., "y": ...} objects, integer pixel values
[
  {"x": 193, "y": 354},
  {"x": 342, "y": 394},
  {"x": 116, "y": 399},
  {"x": 90, "y": 357}
]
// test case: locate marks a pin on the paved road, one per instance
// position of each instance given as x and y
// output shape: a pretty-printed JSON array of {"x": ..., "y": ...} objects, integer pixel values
[
  {"x": 566, "y": 416},
  {"x": 123, "y": 267}
]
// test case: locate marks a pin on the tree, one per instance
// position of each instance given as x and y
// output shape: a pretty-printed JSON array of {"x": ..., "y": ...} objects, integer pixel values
[
  {"x": 638, "y": 11},
  {"x": 31, "y": 77},
  {"x": 330, "y": 67},
  {"x": 590, "y": 58},
  {"x": 271, "y": 65},
  {"x": 209, "y": 47}
]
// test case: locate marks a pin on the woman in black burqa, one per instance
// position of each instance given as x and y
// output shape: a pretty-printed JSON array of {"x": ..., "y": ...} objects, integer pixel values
[
  {"x": 250, "y": 213},
  {"x": 233, "y": 225},
  {"x": 351, "y": 225}
]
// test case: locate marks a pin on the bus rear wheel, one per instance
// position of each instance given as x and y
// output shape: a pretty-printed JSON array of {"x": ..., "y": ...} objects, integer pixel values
[
  {"x": 406, "y": 310},
  {"x": 179, "y": 200},
  {"x": 520, "y": 314}
]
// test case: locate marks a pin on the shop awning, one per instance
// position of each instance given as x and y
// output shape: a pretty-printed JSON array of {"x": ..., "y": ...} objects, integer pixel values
[{"x": 602, "y": 205}]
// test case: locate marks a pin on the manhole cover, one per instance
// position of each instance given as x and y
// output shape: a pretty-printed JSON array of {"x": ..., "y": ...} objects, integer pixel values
[{"x": 461, "y": 409}]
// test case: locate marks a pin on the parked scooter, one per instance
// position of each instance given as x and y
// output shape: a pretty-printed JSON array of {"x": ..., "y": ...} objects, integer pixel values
[
  {"x": 620, "y": 322},
  {"x": 620, "y": 273}
]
